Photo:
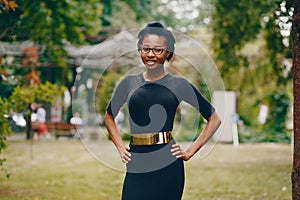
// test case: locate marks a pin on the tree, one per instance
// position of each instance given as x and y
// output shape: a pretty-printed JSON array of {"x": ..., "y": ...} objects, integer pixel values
[
  {"x": 296, "y": 76},
  {"x": 108, "y": 83},
  {"x": 19, "y": 100},
  {"x": 7, "y": 5},
  {"x": 252, "y": 44},
  {"x": 5, "y": 131},
  {"x": 51, "y": 24},
  {"x": 239, "y": 22},
  {"x": 140, "y": 8}
]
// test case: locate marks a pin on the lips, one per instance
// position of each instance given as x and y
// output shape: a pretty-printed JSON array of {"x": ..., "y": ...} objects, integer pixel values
[{"x": 151, "y": 62}]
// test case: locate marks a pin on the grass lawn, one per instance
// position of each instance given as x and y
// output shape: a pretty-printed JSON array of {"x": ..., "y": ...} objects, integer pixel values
[{"x": 70, "y": 169}]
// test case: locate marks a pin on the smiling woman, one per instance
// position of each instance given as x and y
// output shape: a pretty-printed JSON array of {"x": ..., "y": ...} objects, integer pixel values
[
  {"x": 153, "y": 54},
  {"x": 154, "y": 161}
]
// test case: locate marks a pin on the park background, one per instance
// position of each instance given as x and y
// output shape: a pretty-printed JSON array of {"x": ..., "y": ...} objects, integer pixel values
[{"x": 66, "y": 56}]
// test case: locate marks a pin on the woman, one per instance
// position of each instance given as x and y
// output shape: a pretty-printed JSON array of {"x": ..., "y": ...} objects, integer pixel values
[{"x": 153, "y": 159}]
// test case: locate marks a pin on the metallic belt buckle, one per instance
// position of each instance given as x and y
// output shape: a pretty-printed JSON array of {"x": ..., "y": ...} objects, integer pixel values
[
  {"x": 144, "y": 139},
  {"x": 151, "y": 138}
]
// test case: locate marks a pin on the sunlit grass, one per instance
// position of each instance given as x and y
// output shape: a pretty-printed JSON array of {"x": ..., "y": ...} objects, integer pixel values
[{"x": 64, "y": 169}]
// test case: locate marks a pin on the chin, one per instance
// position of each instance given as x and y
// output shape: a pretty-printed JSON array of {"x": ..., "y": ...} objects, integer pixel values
[{"x": 155, "y": 66}]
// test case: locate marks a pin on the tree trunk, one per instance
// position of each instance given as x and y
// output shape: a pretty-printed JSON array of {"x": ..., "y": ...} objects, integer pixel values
[{"x": 296, "y": 77}]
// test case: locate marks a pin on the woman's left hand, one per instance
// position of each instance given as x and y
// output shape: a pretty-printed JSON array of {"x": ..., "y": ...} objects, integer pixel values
[{"x": 179, "y": 153}]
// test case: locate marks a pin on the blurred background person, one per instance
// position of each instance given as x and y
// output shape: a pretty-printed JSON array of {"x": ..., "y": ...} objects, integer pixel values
[{"x": 40, "y": 122}]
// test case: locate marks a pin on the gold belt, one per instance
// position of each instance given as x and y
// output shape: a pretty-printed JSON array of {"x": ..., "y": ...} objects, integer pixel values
[{"x": 151, "y": 138}]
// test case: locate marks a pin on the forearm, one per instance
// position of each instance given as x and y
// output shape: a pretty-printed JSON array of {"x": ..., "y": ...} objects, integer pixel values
[
  {"x": 113, "y": 131},
  {"x": 116, "y": 138},
  {"x": 210, "y": 128}
]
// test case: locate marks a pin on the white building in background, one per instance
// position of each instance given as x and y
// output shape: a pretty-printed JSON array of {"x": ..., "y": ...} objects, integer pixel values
[{"x": 225, "y": 104}]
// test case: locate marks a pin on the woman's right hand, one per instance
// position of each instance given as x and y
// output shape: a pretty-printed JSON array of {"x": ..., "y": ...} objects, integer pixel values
[
  {"x": 116, "y": 138},
  {"x": 125, "y": 154}
]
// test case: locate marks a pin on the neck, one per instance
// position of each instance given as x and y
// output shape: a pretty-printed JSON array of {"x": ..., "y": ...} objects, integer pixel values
[{"x": 152, "y": 75}]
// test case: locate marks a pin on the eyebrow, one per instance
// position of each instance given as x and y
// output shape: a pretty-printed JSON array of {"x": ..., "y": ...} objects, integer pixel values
[{"x": 154, "y": 46}]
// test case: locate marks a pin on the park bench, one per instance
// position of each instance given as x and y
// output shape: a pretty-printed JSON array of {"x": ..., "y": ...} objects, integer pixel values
[{"x": 59, "y": 129}]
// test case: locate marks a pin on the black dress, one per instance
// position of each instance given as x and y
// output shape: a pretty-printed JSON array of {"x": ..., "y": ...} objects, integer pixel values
[{"x": 153, "y": 173}]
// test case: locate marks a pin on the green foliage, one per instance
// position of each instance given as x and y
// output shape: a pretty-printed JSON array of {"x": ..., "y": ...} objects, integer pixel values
[
  {"x": 5, "y": 89},
  {"x": 49, "y": 92},
  {"x": 139, "y": 8},
  {"x": 20, "y": 98},
  {"x": 4, "y": 125},
  {"x": 253, "y": 49},
  {"x": 279, "y": 42},
  {"x": 237, "y": 23},
  {"x": 23, "y": 96},
  {"x": 123, "y": 16},
  {"x": 103, "y": 94},
  {"x": 275, "y": 128},
  {"x": 5, "y": 131},
  {"x": 53, "y": 23}
]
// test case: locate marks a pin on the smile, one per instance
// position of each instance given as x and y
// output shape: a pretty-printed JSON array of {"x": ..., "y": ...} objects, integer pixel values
[{"x": 151, "y": 62}]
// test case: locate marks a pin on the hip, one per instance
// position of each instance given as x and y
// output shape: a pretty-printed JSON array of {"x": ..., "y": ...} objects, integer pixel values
[{"x": 147, "y": 158}]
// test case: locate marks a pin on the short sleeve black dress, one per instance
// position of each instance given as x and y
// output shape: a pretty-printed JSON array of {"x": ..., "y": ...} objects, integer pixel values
[{"x": 153, "y": 172}]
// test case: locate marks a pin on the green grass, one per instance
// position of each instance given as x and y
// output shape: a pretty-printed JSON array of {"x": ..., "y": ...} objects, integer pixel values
[{"x": 69, "y": 169}]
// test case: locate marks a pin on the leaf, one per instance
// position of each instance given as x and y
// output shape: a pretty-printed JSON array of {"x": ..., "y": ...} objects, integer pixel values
[
  {"x": 9, "y": 5},
  {"x": 12, "y": 5}
]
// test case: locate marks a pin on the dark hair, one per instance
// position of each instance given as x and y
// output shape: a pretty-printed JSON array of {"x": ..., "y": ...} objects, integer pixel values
[{"x": 157, "y": 28}]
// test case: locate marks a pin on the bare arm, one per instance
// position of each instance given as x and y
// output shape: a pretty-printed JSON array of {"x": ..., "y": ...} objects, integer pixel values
[
  {"x": 116, "y": 138},
  {"x": 212, "y": 125}
]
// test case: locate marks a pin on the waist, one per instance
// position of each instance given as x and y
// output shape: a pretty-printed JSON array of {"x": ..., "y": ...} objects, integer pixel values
[{"x": 163, "y": 137}]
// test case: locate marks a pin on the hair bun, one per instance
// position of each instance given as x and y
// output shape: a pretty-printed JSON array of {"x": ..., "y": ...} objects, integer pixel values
[
  {"x": 157, "y": 28},
  {"x": 155, "y": 25}
]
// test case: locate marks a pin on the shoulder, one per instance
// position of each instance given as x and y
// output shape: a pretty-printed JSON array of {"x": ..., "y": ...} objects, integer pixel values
[
  {"x": 129, "y": 78},
  {"x": 130, "y": 81},
  {"x": 182, "y": 86},
  {"x": 178, "y": 80},
  {"x": 132, "y": 77}
]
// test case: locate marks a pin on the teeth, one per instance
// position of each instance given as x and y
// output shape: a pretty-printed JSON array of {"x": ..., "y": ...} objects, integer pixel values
[{"x": 150, "y": 62}]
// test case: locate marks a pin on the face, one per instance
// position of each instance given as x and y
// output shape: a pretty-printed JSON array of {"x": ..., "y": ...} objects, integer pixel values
[{"x": 153, "y": 51}]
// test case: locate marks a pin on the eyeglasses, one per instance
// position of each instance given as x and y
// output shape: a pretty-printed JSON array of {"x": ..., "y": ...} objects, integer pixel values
[{"x": 157, "y": 51}]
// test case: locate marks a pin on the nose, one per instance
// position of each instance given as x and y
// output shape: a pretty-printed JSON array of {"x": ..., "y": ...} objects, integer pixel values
[{"x": 150, "y": 53}]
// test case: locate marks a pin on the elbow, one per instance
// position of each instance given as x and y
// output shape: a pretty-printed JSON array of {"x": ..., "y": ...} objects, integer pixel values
[
  {"x": 219, "y": 122},
  {"x": 107, "y": 118},
  {"x": 216, "y": 119}
]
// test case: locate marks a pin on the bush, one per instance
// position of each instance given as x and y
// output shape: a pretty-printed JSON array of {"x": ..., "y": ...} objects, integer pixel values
[
  {"x": 274, "y": 130},
  {"x": 5, "y": 131}
]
